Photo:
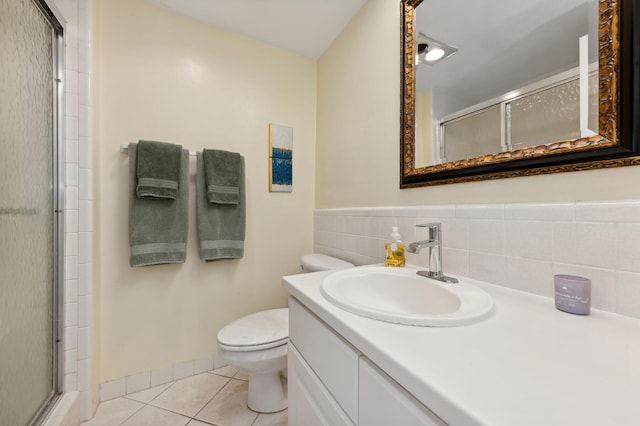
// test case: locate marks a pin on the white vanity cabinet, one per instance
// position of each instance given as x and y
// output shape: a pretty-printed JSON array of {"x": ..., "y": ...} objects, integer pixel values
[{"x": 331, "y": 383}]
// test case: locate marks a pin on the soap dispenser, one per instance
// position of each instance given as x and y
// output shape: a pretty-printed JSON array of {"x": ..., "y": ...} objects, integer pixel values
[{"x": 394, "y": 250}]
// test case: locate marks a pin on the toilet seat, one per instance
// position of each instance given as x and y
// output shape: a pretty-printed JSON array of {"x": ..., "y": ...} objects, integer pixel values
[{"x": 256, "y": 332}]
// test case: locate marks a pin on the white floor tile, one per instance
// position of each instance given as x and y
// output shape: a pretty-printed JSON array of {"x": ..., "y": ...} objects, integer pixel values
[
  {"x": 229, "y": 406},
  {"x": 114, "y": 412},
  {"x": 188, "y": 396},
  {"x": 281, "y": 418},
  {"x": 148, "y": 394},
  {"x": 227, "y": 371},
  {"x": 153, "y": 416}
]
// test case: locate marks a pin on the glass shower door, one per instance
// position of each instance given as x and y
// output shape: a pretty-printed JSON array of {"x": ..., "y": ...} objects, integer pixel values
[{"x": 28, "y": 206}]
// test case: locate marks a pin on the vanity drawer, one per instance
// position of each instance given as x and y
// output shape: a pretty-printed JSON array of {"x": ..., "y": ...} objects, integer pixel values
[
  {"x": 384, "y": 402},
  {"x": 332, "y": 359},
  {"x": 310, "y": 403}
]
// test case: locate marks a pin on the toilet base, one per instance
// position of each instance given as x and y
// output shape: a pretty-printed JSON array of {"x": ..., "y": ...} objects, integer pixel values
[{"x": 267, "y": 392}]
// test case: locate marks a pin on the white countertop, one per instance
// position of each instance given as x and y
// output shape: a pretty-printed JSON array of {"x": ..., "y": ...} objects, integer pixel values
[{"x": 527, "y": 364}]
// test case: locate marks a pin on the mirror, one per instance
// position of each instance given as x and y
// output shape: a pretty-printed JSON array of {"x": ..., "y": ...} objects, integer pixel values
[{"x": 497, "y": 88}]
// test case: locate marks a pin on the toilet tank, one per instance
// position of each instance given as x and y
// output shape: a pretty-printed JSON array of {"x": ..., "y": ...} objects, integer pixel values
[{"x": 321, "y": 262}]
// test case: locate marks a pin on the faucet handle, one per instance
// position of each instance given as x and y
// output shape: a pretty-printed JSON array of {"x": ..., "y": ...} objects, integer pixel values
[{"x": 435, "y": 229}]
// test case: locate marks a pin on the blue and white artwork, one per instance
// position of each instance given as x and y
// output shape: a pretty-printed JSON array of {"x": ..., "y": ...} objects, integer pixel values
[{"x": 280, "y": 158}]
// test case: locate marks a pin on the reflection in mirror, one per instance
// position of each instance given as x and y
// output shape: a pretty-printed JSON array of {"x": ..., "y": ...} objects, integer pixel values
[{"x": 514, "y": 81}]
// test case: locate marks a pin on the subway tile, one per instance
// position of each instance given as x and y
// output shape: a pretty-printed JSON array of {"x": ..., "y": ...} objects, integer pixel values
[
  {"x": 529, "y": 239},
  {"x": 84, "y": 343},
  {"x": 71, "y": 174},
  {"x": 487, "y": 211},
  {"x": 375, "y": 248},
  {"x": 85, "y": 216},
  {"x": 71, "y": 198},
  {"x": 487, "y": 267},
  {"x": 71, "y": 82},
  {"x": 84, "y": 89},
  {"x": 71, "y": 267},
  {"x": 532, "y": 276},
  {"x": 609, "y": 211},
  {"x": 182, "y": 370},
  {"x": 70, "y": 244},
  {"x": 71, "y": 221},
  {"x": 604, "y": 289},
  {"x": 455, "y": 234},
  {"x": 71, "y": 127},
  {"x": 113, "y": 389},
  {"x": 70, "y": 382},
  {"x": 161, "y": 376},
  {"x": 84, "y": 374},
  {"x": 70, "y": 314},
  {"x": 71, "y": 106},
  {"x": 356, "y": 225},
  {"x": 70, "y": 337},
  {"x": 629, "y": 294},
  {"x": 71, "y": 151},
  {"x": 85, "y": 152},
  {"x": 85, "y": 179},
  {"x": 627, "y": 247},
  {"x": 202, "y": 365},
  {"x": 70, "y": 291},
  {"x": 382, "y": 211},
  {"x": 584, "y": 243},
  {"x": 71, "y": 58},
  {"x": 70, "y": 361},
  {"x": 85, "y": 247},
  {"x": 84, "y": 120},
  {"x": 84, "y": 279},
  {"x": 406, "y": 228},
  {"x": 540, "y": 211},
  {"x": 386, "y": 223},
  {"x": 487, "y": 236},
  {"x": 84, "y": 307},
  {"x": 138, "y": 382},
  {"x": 373, "y": 227},
  {"x": 454, "y": 261}
]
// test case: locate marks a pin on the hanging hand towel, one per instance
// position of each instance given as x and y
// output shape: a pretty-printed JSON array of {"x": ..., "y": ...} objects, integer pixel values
[
  {"x": 221, "y": 227},
  {"x": 222, "y": 174},
  {"x": 158, "y": 169},
  {"x": 158, "y": 227}
]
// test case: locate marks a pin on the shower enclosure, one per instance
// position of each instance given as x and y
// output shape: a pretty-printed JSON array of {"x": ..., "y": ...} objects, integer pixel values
[{"x": 30, "y": 210}]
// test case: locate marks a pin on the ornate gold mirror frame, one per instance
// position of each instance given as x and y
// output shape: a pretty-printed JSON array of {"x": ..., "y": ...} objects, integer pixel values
[{"x": 616, "y": 144}]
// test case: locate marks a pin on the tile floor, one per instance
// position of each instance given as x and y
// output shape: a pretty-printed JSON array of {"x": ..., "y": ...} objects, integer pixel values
[{"x": 218, "y": 397}]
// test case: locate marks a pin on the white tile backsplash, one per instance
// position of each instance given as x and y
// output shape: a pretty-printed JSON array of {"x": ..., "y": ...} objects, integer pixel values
[
  {"x": 520, "y": 246},
  {"x": 584, "y": 243}
]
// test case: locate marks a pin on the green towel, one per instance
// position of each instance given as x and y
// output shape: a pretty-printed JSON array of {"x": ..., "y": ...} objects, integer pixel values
[
  {"x": 221, "y": 227},
  {"x": 222, "y": 173},
  {"x": 158, "y": 169},
  {"x": 158, "y": 227}
]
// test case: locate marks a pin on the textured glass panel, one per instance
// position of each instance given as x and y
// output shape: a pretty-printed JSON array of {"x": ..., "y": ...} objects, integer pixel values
[
  {"x": 26, "y": 222},
  {"x": 548, "y": 116},
  {"x": 473, "y": 135}
]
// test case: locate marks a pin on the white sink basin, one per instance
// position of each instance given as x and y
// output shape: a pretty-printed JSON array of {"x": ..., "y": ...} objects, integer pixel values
[{"x": 398, "y": 295}]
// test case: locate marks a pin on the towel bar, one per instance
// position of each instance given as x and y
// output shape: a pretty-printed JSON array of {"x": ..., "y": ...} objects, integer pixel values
[{"x": 125, "y": 150}]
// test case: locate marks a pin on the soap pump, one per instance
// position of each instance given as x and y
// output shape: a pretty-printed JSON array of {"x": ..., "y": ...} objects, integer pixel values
[{"x": 394, "y": 250}]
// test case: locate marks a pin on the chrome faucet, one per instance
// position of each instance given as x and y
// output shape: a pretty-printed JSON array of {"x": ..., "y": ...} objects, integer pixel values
[{"x": 434, "y": 243}]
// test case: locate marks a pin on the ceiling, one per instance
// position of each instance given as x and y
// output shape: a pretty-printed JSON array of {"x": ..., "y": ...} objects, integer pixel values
[
  {"x": 305, "y": 27},
  {"x": 515, "y": 43}
]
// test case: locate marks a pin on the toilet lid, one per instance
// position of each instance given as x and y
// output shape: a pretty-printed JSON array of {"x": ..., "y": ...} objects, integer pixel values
[
  {"x": 262, "y": 330},
  {"x": 321, "y": 262}
]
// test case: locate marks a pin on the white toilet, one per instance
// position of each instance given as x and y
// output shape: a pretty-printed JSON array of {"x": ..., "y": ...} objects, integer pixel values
[{"x": 257, "y": 343}]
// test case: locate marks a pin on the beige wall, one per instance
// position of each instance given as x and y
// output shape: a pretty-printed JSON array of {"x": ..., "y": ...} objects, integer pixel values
[
  {"x": 358, "y": 155},
  {"x": 164, "y": 77}
]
